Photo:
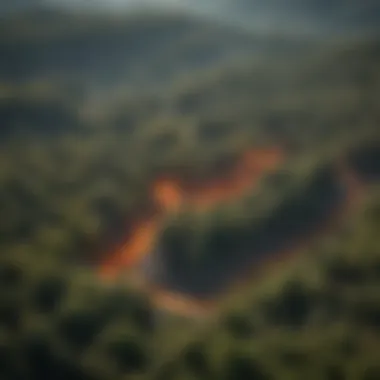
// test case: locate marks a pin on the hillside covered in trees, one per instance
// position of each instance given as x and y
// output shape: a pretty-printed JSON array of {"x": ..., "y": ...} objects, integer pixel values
[{"x": 182, "y": 199}]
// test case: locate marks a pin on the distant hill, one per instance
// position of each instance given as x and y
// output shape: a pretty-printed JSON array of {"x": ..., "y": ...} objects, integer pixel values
[
  {"x": 145, "y": 48},
  {"x": 138, "y": 48},
  {"x": 294, "y": 16},
  {"x": 7, "y": 7},
  {"x": 310, "y": 16}
]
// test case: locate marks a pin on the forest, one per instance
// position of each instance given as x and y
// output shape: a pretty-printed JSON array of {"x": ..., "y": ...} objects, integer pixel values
[{"x": 181, "y": 199}]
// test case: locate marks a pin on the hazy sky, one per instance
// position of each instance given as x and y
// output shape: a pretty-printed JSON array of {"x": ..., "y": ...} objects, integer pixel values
[
  {"x": 263, "y": 14},
  {"x": 127, "y": 3}
]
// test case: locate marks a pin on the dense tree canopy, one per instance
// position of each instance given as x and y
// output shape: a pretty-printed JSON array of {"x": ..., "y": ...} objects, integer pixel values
[{"x": 76, "y": 169}]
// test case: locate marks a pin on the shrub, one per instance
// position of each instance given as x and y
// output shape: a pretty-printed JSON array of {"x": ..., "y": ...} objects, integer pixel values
[
  {"x": 129, "y": 355},
  {"x": 48, "y": 293},
  {"x": 243, "y": 368}
]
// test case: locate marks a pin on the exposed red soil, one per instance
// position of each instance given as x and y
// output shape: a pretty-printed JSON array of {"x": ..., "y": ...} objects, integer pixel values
[
  {"x": 192, "y": 307},
  {"x": 169, "y": 195}
]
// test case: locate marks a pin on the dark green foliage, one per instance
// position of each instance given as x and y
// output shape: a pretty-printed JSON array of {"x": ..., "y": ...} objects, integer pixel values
[
  {"x": 11, "y": 275},
  {"x": 332, "y": 304},
  {"x": 335, "y": 372},
  {"x": 123, "y": 305},
  {"x": 212, "y": 130},
  {"x": 340, "y": 272},
  {"x": 292, "y": 307},
  {"x": 117, "y": 303},
  {"x": 48, "y": 294},
  {"x": 166, "y": 372},
  {"x": 79, "y": 329},
  {"x": 371, "y": 373},
  {"x": 376, "y": 270},
  {"x": 43, "y": 363},
  {"x": 367, "y": 313},
  {"x": 10, "y": 315},
  {"x": 28, "y": 116},
  {"x": 243, "y": 368},
  {"x": 349, "y": 313},
  {"x": 142, "y": 317},
  {"x": 106, "y": 208},
  {"x": 239, "y": 326},
  {"x": 349, "y": 347},
  {"x": 294, "y": 359},
  {"x": 40, "y": 358},
  {"x": 366, "y": 160},
  {"x": 196, "y": 361},
  {"x": 129, "y": 355},
  {"x": 5, "y": 359}
]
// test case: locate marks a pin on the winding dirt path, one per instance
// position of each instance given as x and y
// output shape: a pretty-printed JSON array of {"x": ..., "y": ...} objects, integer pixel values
[{"x": 170, "y": 194}]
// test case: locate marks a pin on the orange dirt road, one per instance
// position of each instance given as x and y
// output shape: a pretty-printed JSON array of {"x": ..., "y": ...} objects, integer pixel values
[
  {"x": 171, "y": 194},
  {"x": 196, "y": 308}
]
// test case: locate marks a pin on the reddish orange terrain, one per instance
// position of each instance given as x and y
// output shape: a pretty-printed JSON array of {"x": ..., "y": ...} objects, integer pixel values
[{"x": 171, "y": 194}]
